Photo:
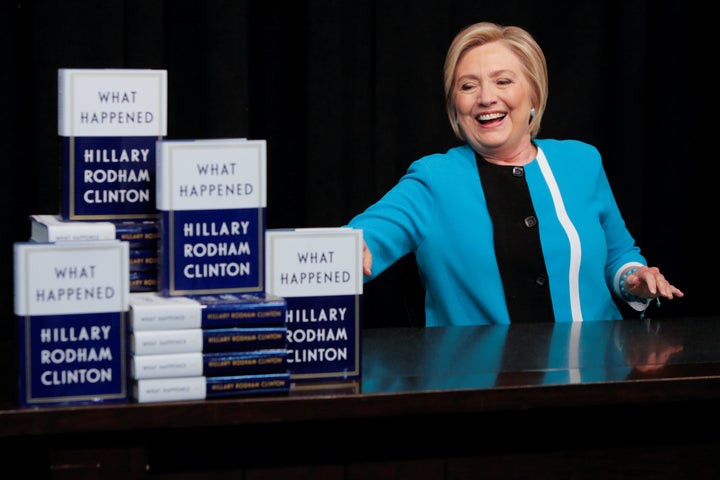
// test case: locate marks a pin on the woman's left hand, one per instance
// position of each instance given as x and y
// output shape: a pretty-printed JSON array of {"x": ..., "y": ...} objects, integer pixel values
[{"x": 648, "y": 282}]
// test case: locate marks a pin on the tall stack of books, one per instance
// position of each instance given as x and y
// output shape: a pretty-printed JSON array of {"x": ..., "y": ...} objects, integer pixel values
[
  {"x": 198, "y": 347},
  {"x": 143, "y": 239}
]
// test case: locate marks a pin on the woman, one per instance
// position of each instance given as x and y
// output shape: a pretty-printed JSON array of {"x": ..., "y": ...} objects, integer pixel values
[{"x": 508, "y": 227}]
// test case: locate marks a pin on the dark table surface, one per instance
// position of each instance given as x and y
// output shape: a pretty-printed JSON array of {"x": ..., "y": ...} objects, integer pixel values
[{"x": 447, "y": 370}]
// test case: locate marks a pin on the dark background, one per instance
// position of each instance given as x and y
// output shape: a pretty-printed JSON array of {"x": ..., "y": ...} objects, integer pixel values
[{"x": 348, "y": 93}]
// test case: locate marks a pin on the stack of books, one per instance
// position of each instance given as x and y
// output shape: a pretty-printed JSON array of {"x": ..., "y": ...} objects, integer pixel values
[
  {"x": 199, "y": 347},
  {"x": 142, "y": 237}
]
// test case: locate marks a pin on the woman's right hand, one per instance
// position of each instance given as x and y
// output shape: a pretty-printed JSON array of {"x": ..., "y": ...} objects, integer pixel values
[{"x": 366, "y": 260}]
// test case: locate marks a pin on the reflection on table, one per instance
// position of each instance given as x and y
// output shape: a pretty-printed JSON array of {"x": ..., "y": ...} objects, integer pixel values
[{"x": 448, "y": 358}]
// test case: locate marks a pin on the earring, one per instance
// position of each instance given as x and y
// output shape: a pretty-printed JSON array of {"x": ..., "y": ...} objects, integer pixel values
[{"x": 532, "y": 112}]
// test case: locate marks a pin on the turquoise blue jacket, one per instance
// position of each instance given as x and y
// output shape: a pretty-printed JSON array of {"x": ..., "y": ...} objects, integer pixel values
[{"x": 437, "y": 210}]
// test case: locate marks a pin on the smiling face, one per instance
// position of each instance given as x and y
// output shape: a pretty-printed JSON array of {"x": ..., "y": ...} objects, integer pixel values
[{"x": 492, "y": 101}]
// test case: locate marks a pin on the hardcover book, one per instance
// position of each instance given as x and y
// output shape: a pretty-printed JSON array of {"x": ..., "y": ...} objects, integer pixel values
[
  {"x": 211, "y": 201},
  {"x": 152, "y": 311},
  {"x": 143, "y": 281},
  {"x": 139, "y": 234},
  {"x": 71, "y": 307},
  {"x": 153, "y": 342},
  {"x": 195, "y": 364},
  {"x": 143, "y": 259},
  {"x": 202, "y": 388},
  {"x": 53, "y": 228},
  {"x": 319, "y": 273},
  {"x": 109, "y": 121}
]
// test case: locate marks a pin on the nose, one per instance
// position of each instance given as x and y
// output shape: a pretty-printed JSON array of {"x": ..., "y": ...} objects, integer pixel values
[{"x": 486, "y": 95}]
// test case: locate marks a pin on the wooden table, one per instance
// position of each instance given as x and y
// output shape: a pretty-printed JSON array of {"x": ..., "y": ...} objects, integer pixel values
[{"x": 616, "y": 399}]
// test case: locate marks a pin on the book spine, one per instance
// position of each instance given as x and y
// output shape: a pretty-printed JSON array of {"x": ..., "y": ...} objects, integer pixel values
[
  {"x": 201, "y": 388},
  {"x": 211, "y": 202},
  {"x": 45, "y": 228},
  {"x": 208, "y": 364},
  {"x": 142, "y": 260},
  {"x": 152, "y": 311},
  {"x": 155, "y": 342},
  {"x": 227, "y": 315},
  {"x": 143, "y": 281},
  {"x": 141, "y": 234}
]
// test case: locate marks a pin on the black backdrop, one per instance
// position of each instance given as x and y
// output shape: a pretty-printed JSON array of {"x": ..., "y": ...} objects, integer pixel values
[{"x": 348, "y": 93}]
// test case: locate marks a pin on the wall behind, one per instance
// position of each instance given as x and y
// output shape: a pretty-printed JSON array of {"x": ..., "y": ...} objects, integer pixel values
[{"x": 349, "y": 93}]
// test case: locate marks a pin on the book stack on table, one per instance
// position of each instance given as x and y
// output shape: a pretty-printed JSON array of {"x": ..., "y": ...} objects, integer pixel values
[
  {"x": 142, "y": 237},
  {"x": 199, "y": 347}
]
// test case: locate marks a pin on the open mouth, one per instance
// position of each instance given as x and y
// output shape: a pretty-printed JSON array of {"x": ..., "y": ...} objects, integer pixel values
[{"x": 488, "y": 118}]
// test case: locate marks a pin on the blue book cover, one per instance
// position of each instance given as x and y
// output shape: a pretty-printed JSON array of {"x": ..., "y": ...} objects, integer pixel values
[
  {"x": 153, "y": 342},
  {"x": 109, "y": 121},
  {"x": 202, "y": 388},
  {"x": 152, "y": 311},
  {"x": 319, "y": 273},
  {"x": 108, "y": 178},
  {"x": 211, "y": 200},
  {"x": 192, "y": 364},
  {"x": 71, "y": 307}
]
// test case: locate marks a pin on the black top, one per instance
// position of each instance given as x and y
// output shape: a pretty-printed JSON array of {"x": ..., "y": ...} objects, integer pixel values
[{"x": 516, "y": 236}]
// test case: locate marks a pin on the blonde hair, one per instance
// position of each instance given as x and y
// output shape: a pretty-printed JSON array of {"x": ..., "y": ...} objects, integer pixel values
[{"x": 521, "y": 43}]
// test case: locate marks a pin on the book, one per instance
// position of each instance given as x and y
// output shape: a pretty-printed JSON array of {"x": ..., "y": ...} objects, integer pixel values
[
  {"x": 109, "y": 121},
  {"x": 53, "y": 228},
  {"x": 202, "y": 388},
  {"x": 71, "y": 307},
  {"x": 143, "y": 281},
  {"x": 319, "y": 273},
  {"x": 193, "y": 364},
  {"x": 153, "y": 342},
  {"x": 211, "y": 200},
  {"x": 152, "y": 311},
  {"x": 139, "y": 234},
  {"x": 143, "y": 259}
]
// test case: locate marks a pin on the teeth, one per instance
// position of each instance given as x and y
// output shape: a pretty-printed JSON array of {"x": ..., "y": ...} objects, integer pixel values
[{"x": 490, "y": 116}]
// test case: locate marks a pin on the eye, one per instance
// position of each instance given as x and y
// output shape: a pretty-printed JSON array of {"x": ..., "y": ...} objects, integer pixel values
[
  {"x": 466, "y": 87},
  {"x": 504, "y": 81}
]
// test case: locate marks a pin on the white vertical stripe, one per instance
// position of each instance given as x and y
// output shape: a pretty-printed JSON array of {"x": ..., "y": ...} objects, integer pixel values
[
  {"x": 573, "y": 238},
  {"x": 574, "y": 353}
]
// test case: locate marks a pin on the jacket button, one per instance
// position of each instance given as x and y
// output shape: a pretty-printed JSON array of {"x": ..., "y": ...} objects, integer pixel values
[
  {"x": 530, "y": 221},
  {"x": 518, "y": 171},
  {"x": 541, "y": 280}
]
